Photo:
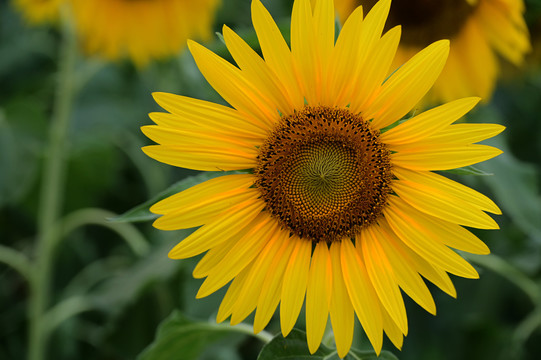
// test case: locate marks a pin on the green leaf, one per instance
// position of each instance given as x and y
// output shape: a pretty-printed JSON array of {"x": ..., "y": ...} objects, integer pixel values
[
  {"x": 355, "y": 354},
  {"x": 181, "y": 338},
  {"x": 142, "y": 213},
  {"x": 468, "y": 170},
  {"x": 294, "y": 346}
]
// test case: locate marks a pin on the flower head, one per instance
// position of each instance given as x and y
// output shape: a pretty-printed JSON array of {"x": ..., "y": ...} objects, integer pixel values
[
  {"x": 337, "y": 202},
  {"x": 479, "y": 31},
  {"x": 144, "y": 29}
]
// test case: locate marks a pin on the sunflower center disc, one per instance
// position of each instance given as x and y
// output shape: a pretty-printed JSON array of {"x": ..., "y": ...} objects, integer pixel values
[
  {"x": 324, "y": 173},
  {"x": 426, "y": 21}
]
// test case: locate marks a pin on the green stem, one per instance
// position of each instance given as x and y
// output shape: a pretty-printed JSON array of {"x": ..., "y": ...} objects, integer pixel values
[
  {"x": 17, "y": 261},
  {"x": 51, "y": 196}
]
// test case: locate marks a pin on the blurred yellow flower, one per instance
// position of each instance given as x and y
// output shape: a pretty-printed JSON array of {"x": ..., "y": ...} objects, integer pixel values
[
  {"x": 479, "y": 30},
  {"x": 331, "y": 205},
  {"x": 141, "y": 29},
  {"x": 39, "y": 11}
]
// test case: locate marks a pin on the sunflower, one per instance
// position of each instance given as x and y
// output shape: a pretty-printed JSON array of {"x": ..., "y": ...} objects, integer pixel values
[
  {"x": 39, "y": 11},
  {"x": 335, "y": 201},
  {"x": 142, "y": 29},
  {"x": 479, "y": 31}
]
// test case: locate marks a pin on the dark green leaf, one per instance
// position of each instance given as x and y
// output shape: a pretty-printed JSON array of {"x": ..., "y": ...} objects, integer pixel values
[
  {"x": 142, "y": 213},
  {"x": 355, "y": 354},
  {"x": 294, "y": 346},
  {"x": 181, "y": 338},
  {"x": 468, "y": 170}
]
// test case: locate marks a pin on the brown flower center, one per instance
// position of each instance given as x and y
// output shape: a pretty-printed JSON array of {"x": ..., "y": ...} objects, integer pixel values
[
  {"x": 323, "y": 173},
  {"x": 426, "y": 21}
]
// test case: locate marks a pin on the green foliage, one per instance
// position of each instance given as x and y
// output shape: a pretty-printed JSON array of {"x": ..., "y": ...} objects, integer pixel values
[
  {"x": 294, "y": 346},
  {"x": 179, "y": 337}
]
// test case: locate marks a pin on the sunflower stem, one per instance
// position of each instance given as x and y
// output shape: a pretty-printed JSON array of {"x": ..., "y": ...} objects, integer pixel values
[{"x": 51, "y": 195}]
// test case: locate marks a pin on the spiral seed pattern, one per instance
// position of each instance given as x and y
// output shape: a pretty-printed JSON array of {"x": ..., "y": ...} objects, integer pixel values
[{"x": 324, "y": 173}]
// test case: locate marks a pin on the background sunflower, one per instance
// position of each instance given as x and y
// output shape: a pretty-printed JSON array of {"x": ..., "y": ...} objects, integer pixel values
[
  {"x": 143, "y": 29},
  {"x": 481, "y": 32}
]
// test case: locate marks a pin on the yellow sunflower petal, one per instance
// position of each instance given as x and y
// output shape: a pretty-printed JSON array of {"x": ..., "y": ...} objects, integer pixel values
[
  {"x": 304, "y": 51},
  {"x": 443, "y": 157},
  {"x": 392, "y": 331},
  {"x": 324, "y": 31},
  {"x": 450, "y": 187},
  {"x": 345, "y": 53},
  {"x": 276, "y": 52},
  {"x": 404, "y": 269},
  {"x": 294, "y": 285},
  {"x": 204, "y": 192},
  {"x": 240, "y": 255},
  {"x": 318, "y": 295},
  {"x": 232, "y": 85},
  {"x": 257, "y": 71},
  {"x": 272, "y": 286},
  {"x": 408, "y": 85},
  {"x": 249, "y": 295},
  {"x": 361, "y": 37},
  {"x": 402, "y": 219},
  {"x": 202, "y": 158},
  {"x": 455, "y": 236},
  {"x": 341, "y": 309},
  {"x": 232, "y": 295},
  {"x": 195, "y": 114},
  {"x": 169, "y": 136},
  {"x": 382, "y": 276},
  {"x": 436, "y": 202},
  {"x": 463, "y": 134},
  {"x": 414, "y": 261},
  {"x": 204, "y": 212},
  {"x": 219, "y": 230},
  {"x": 428, "y": 122},
  {"x": 362, "y": 295},
  {"x": 375, "y": 70},
  {"x": 214, "y": 256}
]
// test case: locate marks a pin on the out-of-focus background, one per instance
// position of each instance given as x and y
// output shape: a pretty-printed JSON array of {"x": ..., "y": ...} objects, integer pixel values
[{"x": 112, "y": 283}]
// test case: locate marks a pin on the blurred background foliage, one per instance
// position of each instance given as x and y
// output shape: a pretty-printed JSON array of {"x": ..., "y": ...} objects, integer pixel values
[{"x": 114, "y": 281}]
